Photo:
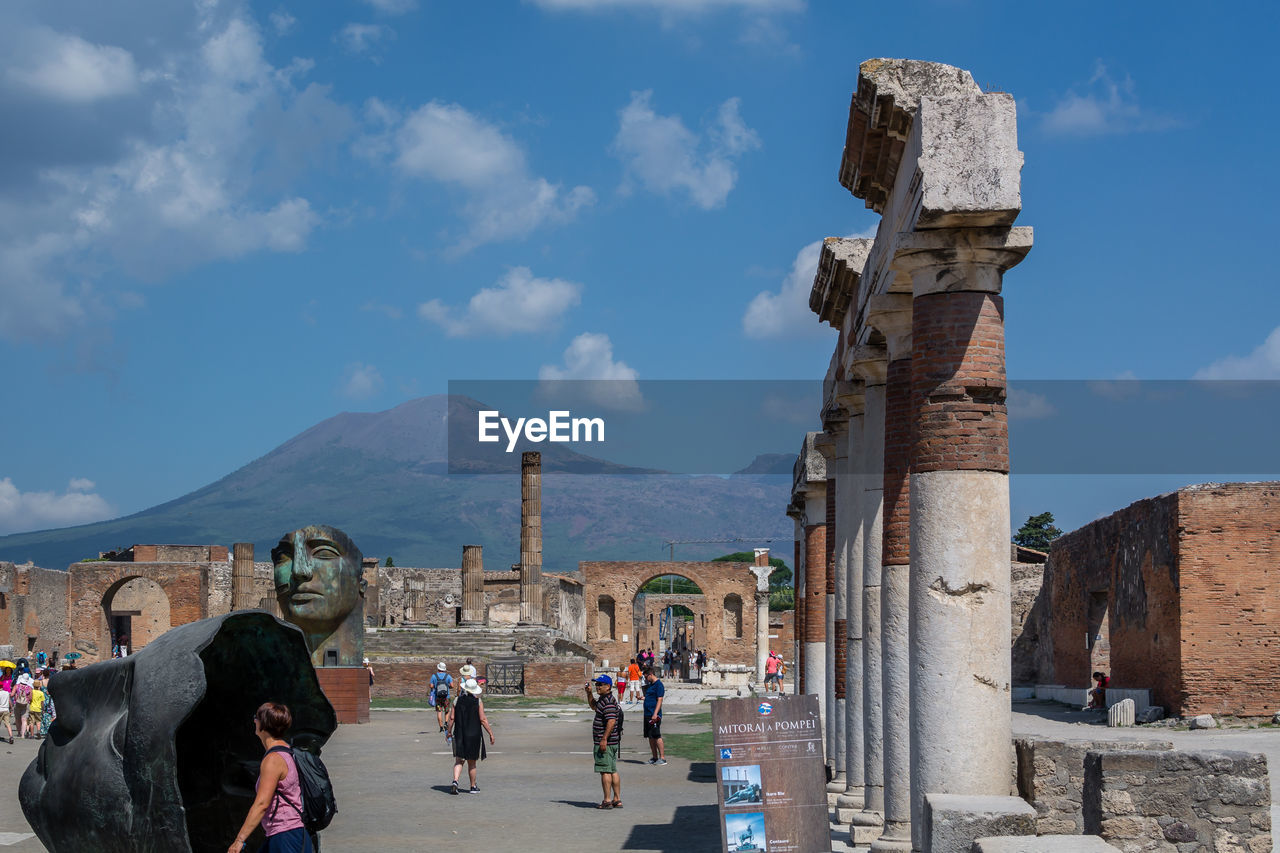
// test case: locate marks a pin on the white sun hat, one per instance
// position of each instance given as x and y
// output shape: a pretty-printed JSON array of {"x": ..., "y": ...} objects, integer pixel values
[
  {"x": 467, "y": 671},
  {"x": 440, "y": 667},
  {"x": 472, "y": 687}
]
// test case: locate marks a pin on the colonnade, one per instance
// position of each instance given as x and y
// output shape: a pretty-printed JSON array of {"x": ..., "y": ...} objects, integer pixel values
[{"x": 901, "y": 502}]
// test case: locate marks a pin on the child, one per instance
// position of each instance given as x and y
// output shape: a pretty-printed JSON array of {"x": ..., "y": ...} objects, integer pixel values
[{"x": 36, "y": 713}]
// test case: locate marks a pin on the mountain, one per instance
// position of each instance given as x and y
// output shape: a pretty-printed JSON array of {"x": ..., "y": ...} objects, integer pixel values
[
  {"x": 383, "y": 477},
  {"x": 780, "y": 464}
]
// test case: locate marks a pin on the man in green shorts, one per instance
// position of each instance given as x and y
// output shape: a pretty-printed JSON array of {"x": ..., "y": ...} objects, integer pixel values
[{"x": 606, "y": 732}]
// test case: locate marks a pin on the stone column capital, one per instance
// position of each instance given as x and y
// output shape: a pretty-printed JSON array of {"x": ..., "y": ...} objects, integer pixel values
[
  {"x": 835, "y": 413},
  {"x": 868, "y": 363},
  {"x": 891, "y": 314},
  {"x": 853, "y": 397},
  {"x": 943, "y": 260},
  {"x": 762, "y": 578}
]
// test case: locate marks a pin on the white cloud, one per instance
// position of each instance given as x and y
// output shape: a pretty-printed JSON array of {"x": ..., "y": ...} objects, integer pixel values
[
  {"x": 68, "y": 68},
  {"x": 593, "y": 375},
  {"x": 671, "y": 6},
  {"x": 393, "y": 7},
  {"x": 188, "y": 163},
  {"x": 1028, "y": 405},
  {"x": 360, "y": 381},
  {"x": 519, "y": 303},
  {"x": 1106, "y": 106},
  {"x": 447, "y": 144},
  {"x": 786, "y": 313},
  {"x": 1262, "y": 363},
  {"x": 23, "y": 511},
  {"x": 666, "y": 157},
  {"x": 281, "y": 21},
  {"x": 361, "y": 38}
]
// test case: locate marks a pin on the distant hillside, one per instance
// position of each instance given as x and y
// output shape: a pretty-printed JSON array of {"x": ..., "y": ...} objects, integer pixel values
[
  {"x": 780, "y": 464},
  {"x": 382, "y": 477}
]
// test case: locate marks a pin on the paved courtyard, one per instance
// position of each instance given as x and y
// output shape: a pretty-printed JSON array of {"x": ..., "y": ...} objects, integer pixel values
[{"x": 538, "y": 792}]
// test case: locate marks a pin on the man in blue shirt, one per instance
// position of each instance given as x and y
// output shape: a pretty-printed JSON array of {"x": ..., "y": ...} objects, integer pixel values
[{"x": 653, "y": 695}]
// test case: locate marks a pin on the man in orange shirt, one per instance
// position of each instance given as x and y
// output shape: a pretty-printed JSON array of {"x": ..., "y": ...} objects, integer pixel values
[{"x": 634, "y": 693}]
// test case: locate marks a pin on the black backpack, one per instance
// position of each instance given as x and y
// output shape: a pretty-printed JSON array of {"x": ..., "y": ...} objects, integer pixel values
[{"x": 318, "y": 804}]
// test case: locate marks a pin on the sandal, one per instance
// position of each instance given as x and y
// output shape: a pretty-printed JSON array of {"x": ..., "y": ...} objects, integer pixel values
[
  {"x": 605, "y": 805},
  {"x": 617, "y": 804}
]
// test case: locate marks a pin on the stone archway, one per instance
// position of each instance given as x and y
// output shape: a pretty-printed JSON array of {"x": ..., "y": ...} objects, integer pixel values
[
  {"x": 93, "y": 587},
  {"x": 621, "y": 581},
  {"x": 136, "y": 608}
]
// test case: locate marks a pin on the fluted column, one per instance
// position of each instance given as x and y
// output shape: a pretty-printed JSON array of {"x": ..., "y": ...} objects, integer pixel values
[
  {"x": 472, "y": 586},
  {"x": 851, "y": 801},
  {"x": 242, "y": 596},
  {"x": 959, "y": 511},
  {"x": 531, "y": 538}
]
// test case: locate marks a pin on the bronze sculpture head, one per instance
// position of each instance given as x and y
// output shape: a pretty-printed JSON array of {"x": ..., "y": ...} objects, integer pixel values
[{"x": 320, "y": 586}]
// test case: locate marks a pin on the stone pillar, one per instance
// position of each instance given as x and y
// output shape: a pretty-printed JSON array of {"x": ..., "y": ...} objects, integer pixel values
[
  {"x": 762, "y": 570},
  {"x": 531, "y": 538},
  {"x": 851, "y": 800},
  {"x": 834, "y": 448},
  {"x": 797, "y": 602},
  {"x": 959, "y": 515},
  {"x": 472, "y": 586},
  {"x": 242, "y": 595},
  {"x": 815, "y": 603}
]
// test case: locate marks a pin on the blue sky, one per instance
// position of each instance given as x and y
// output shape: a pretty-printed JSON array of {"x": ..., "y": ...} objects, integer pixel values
[{"x": 221, "y": 223}]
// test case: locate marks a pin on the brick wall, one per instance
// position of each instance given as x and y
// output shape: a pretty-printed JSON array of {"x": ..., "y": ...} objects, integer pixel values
[
  {"x": 347, "y": 689},
  {"x": 782, "y": 634},
  {"x": 186, "y": 585},
  {"x": 621, "y": 581},
  {"x": 1032, "y": 637},
  {"x": 1128, "y": 562},
  {"x": 541, "y": 678},
  {"x": 555, "y": 678},
  {"x": 1229, "y": 573}
]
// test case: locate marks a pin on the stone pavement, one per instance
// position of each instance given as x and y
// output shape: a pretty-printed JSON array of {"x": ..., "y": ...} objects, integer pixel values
[{"x": 538, "y": 792}]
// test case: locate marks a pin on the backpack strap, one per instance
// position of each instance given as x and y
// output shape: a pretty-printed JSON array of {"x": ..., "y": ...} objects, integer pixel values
[{"x": 289, "y": 751}]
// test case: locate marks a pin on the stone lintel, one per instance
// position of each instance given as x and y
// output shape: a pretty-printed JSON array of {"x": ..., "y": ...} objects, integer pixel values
[
  {"x": 869, "y": 363},
  {"x": 810, "y": 470},
  {"x": 835, "y": 285},
  {"x": 960, "y": 259},
  {"x": 891, "y": 314},
  {"x": 835, "y": 415},
  {"x": 881, "y": 114}
]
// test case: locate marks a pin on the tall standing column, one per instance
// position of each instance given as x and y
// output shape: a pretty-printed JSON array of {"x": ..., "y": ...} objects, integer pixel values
[
  {"x": 959, "y": 511},
  {"x": 762, "y": 570},
  {"x": 472, "y": 586},
  {"x": 531, "y": 538},
  {"x": 835, "y": 453},
  {"x": 852, "y": 800},
  {"x": 797, "y": 600},
  {"x": 242, "y": 597}
]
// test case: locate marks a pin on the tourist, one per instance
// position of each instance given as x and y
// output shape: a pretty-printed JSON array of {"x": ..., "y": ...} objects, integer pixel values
[
  {"x": 6, "y": 680},
  {"x": 5, "y": 711},
  {"x": 439, "y": 692},
  {"x": 49, "y": 715},
  {"x": 1098, "y": 695},
  {"x": 634, "y": 684},
  {"x": 771, "y": 674},
  {"x": 369, "y": 669},
  {"x": 654, "y": 692},
  {"x": 466, "y": 720},
  {"x": 23, "y": 689},
  {"x": 278, "y": 804},
  {"x": 606, "y": 735},
  {"x": 36, "y": 713},
  {"x": 467, "y": 670}
]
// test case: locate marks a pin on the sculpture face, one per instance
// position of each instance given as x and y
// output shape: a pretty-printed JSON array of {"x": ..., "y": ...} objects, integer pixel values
[{"x": 320, "y": 587}]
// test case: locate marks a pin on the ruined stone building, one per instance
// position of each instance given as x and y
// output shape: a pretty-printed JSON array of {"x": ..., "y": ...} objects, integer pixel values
[{"x": 1179, "y": 594}]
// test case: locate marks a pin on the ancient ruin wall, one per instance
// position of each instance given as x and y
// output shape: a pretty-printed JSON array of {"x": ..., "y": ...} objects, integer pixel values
[
  {"x": 1129, "y": 558},
  {"x": 1229, "y": 572},
  {"x": 618, "y": 583},
  {"x": 33, "y": 608},
  {"x": 564, "y": 606},
  {"x": 1032, "y": 637},
  {"x": 418, "y": 595}
]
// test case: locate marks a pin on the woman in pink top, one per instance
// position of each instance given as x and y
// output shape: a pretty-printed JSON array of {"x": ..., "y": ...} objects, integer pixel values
[{"x": 278, "y": 805}]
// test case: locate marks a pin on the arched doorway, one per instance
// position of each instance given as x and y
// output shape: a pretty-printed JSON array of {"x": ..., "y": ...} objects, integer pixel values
[
  {"x": 136, "y": 609},
  {"x": 669, "y": 612}
]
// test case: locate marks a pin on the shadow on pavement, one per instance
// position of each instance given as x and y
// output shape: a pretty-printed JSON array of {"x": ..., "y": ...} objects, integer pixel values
[
  {"x": 579, "y": 804},
  {"x": 702, "y": 771},
  {"x": 692, "y": 828},
  {"x": 1059, "y": 713}
]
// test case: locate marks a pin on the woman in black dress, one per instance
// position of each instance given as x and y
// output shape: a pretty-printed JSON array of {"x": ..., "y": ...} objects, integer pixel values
[{"x": 466, "y": 720}]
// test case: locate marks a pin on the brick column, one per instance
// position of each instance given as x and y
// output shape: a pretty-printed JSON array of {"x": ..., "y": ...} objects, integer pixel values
[
  {"x": 242, "y": 595},
  {"x": 815, "y": 598},
  {"x": 836, "y": 451},
  {"x": 531, "y": 538},
  {"x": 959, "y": 517},
  {"x": 797, "y": 598},
  {"x": 472, "y": 586}
]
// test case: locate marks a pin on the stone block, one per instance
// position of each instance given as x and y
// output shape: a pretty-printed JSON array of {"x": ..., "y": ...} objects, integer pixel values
[
  {"x": 953, "y": 821},
  {"x": 1042, "y": 844},
  {"x": 1149, "y": 714},
  {"x": 1204, "y": 721}
]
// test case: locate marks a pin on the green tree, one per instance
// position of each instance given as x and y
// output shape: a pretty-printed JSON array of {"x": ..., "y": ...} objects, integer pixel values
[
  {"x": 390, "y": 563},
  {"x": 1038, "y": 532},
  {"x": 779, "y": 579},
  {"x": 672, "y": 585}
]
